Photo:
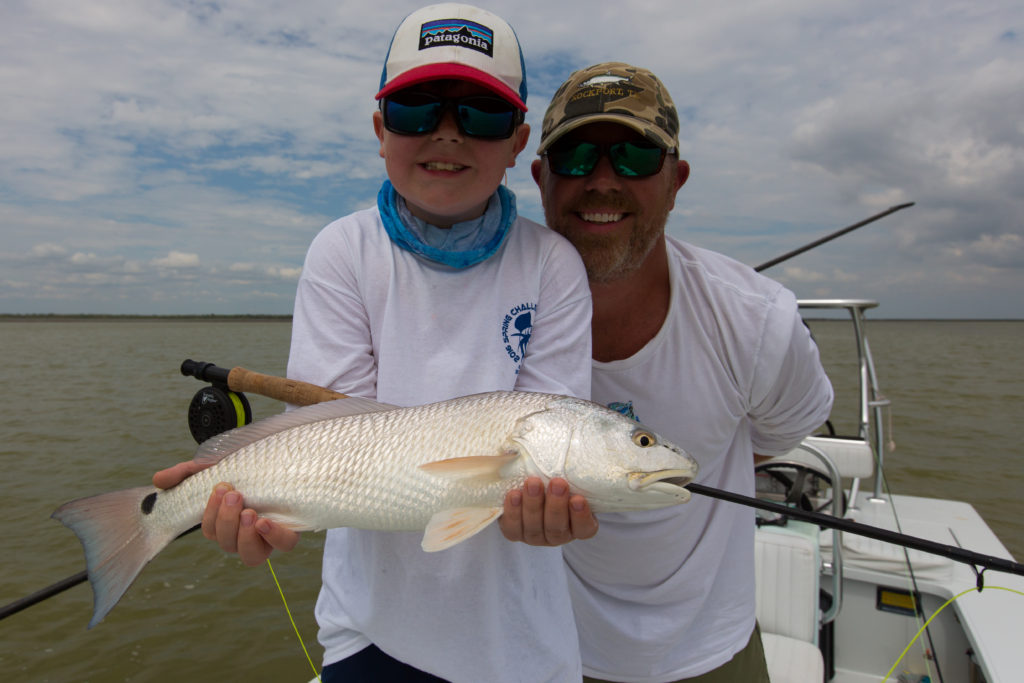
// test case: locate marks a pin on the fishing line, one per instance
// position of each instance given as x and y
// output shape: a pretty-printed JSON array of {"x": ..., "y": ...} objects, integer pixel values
[
  {"x": 944, "y": 606},
  {"x": 292, "y": 619},
  {"x": 918, "y": 609},
  {"x": 919, "y": 615}
]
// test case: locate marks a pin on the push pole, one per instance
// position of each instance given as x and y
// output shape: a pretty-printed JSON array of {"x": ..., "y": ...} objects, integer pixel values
[{"x": 828, "y": 238}]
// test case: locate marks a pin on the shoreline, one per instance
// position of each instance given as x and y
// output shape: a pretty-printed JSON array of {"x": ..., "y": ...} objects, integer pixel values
[
  {"x": 118, "y": 317},
  {"x": 287, "y": 317}
]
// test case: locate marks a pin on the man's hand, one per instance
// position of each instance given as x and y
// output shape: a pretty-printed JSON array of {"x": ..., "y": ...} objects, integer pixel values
[
  {"x": 553, "y": 519},
  {"x": 226, "y": 520}
]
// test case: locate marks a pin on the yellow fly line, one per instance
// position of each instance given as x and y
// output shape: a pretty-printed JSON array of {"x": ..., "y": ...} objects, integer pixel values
[
  {"x": 944, "y": 606},
  {"x": 291, "y": 619},
  {"x": 884, "y": 678}
]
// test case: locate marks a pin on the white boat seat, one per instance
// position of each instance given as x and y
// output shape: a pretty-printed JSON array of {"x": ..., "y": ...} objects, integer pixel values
[
  {"x": 889, "y": 558},
  {"x": 791, "y": 660},
  {"x": 787, "y": 566},
  {"x": 852, "y": 457}
]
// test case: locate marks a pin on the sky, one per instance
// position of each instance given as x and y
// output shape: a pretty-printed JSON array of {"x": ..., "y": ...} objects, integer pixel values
[{"x": 178, "y": 156}]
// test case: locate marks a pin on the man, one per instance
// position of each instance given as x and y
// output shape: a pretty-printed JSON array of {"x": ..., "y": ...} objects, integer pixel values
[{"x": 700, "y": 348}]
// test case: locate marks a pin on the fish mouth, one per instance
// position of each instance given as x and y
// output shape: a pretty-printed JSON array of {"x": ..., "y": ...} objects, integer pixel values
[{"x": 671, "y": 482}]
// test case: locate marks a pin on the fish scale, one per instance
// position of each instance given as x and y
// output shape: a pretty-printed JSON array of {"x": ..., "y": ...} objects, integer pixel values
[{"x": 444, "y": 468}]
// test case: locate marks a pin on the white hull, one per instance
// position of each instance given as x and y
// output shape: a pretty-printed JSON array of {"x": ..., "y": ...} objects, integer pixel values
[{"x": 977, "y": 638}]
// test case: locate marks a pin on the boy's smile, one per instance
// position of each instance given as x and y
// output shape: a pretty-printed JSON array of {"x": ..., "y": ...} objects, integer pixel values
[
  {"x": 443, "y": 166},
  {"x": 445, "y": 176}
]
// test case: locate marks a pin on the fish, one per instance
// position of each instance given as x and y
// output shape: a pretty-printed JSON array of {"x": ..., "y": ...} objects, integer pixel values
[{"x": 443, "y": 468}]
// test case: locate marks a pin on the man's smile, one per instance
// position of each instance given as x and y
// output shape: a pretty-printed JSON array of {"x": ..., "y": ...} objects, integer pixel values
[{"x": 601, "y": 216}]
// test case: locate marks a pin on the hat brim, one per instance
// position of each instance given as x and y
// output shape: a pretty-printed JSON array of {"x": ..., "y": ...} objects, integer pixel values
[
  {"x": 642, "y": 127},
  {"x": 461, "y": 72}
]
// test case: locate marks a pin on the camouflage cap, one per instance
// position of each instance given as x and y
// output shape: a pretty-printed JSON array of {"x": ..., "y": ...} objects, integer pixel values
[{"x": 616, "y": 92}]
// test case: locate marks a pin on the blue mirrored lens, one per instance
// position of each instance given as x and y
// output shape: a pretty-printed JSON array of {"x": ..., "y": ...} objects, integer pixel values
[
  {"x": 411, "y": 118},
  {"x": 486, "y": 117},
  {"x": 412, "y": 113}
]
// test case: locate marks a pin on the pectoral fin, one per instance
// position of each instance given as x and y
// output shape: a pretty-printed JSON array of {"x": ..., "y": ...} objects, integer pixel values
[
  {"x": 486, "y": 468},
  {"x": 450, "y": 527}
]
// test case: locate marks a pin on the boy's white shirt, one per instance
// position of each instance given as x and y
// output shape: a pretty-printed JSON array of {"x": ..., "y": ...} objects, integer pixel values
[
  {"x": 374, "y": 320},
  {"x": 733, "y": 371}
]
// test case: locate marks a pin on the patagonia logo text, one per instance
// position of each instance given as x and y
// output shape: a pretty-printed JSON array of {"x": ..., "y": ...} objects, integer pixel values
[{"x": 457, "y": 32}]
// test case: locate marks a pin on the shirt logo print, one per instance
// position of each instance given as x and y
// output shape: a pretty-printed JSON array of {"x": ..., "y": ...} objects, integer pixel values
[{"x": 516, "y": 329}]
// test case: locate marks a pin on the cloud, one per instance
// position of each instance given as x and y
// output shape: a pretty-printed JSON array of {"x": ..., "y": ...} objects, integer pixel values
[
  {"x": 47, "y": 251},
  {"x": 148, "y": 141},
  {"x": 943, "y": 142},
  {"x": 272, "y": 272},
  {"x": 177, "y": 259}
]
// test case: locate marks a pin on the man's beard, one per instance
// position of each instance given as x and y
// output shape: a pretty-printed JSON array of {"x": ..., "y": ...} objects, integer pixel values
[{"x": 611, "y": 257}]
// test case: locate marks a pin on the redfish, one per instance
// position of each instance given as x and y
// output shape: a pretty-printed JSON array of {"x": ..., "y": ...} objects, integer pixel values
[{"x": 443, "y": 468}]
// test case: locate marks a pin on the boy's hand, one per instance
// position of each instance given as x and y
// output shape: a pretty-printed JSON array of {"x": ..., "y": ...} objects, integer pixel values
[
  {"x": 172, "y": 476},
  {"x": 226, "y": 520},
  {"x": 553, "y": 519}
]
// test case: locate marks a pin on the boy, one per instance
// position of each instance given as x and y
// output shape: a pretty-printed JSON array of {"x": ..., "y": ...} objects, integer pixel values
[{"x": 439, "y": 291}]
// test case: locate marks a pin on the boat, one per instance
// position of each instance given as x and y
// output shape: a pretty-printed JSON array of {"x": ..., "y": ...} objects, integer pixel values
[{"x": 840, "y": 607}]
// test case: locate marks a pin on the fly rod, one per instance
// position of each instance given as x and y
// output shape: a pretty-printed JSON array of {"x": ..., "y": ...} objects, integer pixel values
[
  {"x": 268, "y": 383},
  {"x": 55, "y": 588},
  {"x": 280, "y": 386},
  {"x": 236, "y": 379},
  {"x": 240, "y": 379},
  {"x": 828, "y": 238},
  {"x": 950, "y": 551}
]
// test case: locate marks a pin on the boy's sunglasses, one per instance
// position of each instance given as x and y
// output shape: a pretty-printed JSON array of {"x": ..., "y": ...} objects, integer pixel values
[
  {"x": 478, "y": 116},
  {"x": 628, "y": 159}
]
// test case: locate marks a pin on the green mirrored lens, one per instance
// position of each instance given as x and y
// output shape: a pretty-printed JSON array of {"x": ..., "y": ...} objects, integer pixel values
[
  {"x": 628, "y": 159},
  {"x": 575, "y": 160},
  {"x": 632, "y": 159}
]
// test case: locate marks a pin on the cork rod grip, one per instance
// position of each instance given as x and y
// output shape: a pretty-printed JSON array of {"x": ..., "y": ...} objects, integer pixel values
[{"x": 280, "y": 388}]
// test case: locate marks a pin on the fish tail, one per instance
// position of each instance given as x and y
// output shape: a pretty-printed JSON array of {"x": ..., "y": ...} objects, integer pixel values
[{"x": 117, "y": 539}]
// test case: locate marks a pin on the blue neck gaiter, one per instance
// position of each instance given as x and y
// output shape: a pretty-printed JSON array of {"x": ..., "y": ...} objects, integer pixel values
[{"x": 460, "y": 246}]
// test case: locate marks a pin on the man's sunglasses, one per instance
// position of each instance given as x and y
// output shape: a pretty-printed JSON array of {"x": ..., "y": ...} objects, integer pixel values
[
  {"x": 478, "y": 116},
  {"x": 628, "y": 159}
]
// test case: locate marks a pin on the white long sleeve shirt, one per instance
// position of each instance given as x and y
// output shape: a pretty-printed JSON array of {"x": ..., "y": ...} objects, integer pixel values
[{"x": 374, "y": 320}]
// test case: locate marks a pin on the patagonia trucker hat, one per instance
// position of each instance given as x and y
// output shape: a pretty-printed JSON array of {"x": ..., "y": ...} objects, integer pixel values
[
  {"x": 615, "y": 92},
  {"x": 452, "y": 40}
]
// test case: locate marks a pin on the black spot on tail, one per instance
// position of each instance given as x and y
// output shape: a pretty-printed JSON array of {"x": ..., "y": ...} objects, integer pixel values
[{"x": 148, "y": 502}]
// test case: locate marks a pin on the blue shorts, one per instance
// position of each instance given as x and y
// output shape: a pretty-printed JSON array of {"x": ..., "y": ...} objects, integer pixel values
[{"x": 372, "y": 665}]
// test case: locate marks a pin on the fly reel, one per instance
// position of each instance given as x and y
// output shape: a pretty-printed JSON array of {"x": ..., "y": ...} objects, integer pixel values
[{"x": 214, "y": 409}]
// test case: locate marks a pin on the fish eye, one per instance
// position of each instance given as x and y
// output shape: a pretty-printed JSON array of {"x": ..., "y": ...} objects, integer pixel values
[{"x": 643, "y": 439}]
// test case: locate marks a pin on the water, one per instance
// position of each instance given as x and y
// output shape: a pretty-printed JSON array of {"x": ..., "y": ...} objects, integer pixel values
[
  {"x": 93, "y": 406},
  {"x": 957, "y": 392}
]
